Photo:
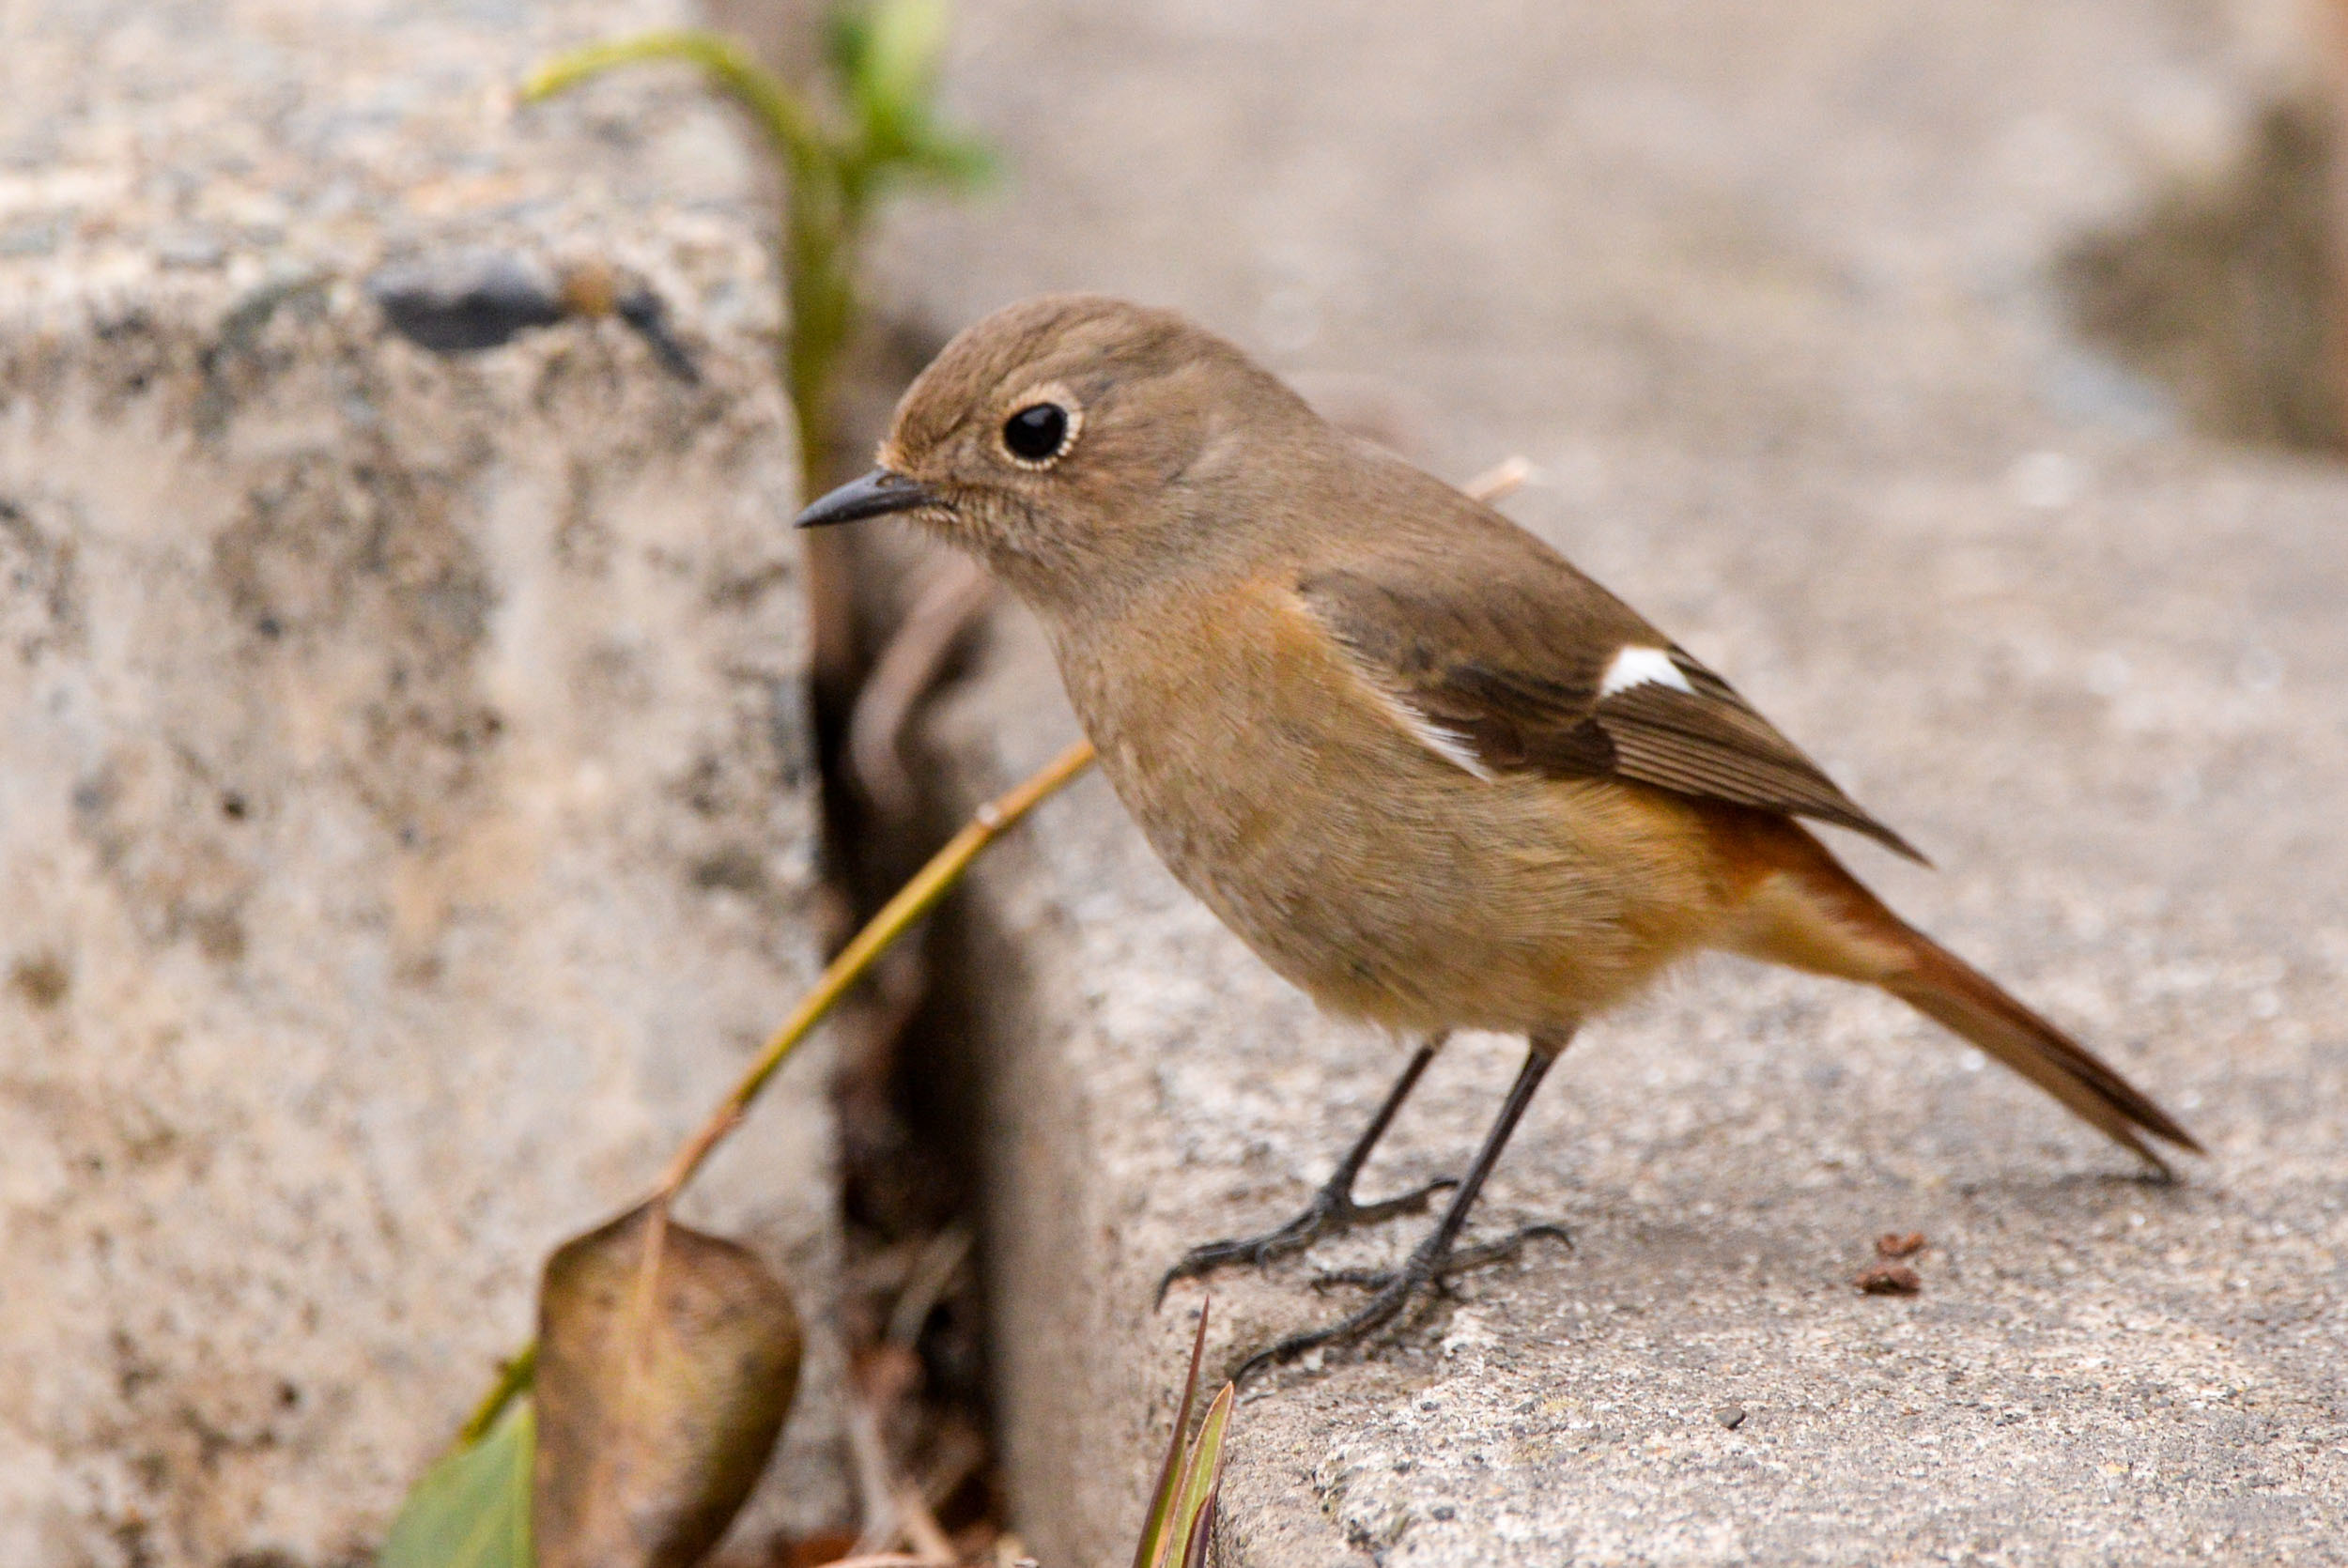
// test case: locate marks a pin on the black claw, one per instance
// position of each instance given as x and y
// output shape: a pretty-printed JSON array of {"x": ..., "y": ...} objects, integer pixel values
[
  {"x": 1372, "y": 1315},
  {"x": 1459, "y": 1261},
  {"x": 1430, "y": 1266},
  {"x": 1440, "y": 1254},
  {"x": 1333, "y": 1209},
  {"x": 1332, "y": 1212},
  {"x": 1503, "y": 1249},
  {"x": 1412, "y": 1202},
  {"x": 1365, "y": 1278}
]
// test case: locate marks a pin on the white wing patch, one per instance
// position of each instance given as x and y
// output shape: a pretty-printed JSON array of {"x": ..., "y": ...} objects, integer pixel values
[
  {"x": 1641, "y": 666},
  {"x": 1450, "y": 745}
]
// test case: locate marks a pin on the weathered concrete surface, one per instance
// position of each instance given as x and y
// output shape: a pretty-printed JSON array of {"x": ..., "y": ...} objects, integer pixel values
[
  {"x": 1763, "y": 291},
  {"x": 405, "y": 833}
]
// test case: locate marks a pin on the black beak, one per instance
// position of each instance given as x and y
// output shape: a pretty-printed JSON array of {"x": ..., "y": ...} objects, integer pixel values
[{"x": 875, "y": 495}]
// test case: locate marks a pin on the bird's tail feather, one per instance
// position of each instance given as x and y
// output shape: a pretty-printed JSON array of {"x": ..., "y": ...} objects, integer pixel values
[
  {"x": 1953, "y": 993},
  {"x": 1835, "y": 925}
]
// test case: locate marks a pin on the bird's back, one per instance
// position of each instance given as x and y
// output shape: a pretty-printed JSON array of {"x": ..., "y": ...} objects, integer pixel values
[{"x": 1367, "y": 858}]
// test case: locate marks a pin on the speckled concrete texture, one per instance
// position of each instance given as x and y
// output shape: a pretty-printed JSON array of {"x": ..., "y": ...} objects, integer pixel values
[
  {"x": 405, "y": 820},
  {"x": 1766, "y": 292}
]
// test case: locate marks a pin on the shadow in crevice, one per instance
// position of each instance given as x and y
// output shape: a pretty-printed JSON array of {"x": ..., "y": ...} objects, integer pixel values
[{"x": 2222, "y": 289}]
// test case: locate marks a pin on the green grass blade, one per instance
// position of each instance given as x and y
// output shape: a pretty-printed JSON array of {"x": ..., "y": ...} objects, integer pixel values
[
  {"x": 1151, "y": 1549},
  {"x": 1202, "y": 1478},
  {"x": 1202, "y": 1537},
  {"x": 896, "y": 68}
]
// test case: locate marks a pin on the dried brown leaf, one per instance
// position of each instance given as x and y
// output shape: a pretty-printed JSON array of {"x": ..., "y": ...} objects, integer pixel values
[{"x": 662, "y": 1384}]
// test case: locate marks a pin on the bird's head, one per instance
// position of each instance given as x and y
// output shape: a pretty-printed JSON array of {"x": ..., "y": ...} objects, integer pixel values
[{"x": 1083, "y": 445}]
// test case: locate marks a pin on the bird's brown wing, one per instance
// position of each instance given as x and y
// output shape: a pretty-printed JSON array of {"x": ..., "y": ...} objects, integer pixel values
[{"x": 1517, "y": 662}]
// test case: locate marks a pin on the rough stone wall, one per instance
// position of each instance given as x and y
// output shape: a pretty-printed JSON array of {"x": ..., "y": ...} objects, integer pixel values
[{"x": 405, "y": 816}]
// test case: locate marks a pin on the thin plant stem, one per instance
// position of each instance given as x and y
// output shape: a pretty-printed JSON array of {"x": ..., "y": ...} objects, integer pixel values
[
  {"x": 913, "y": 901},
  {"x": 823, "y": 216},
  {"x": 785, "y": 121},
  {"x": 900, "y": 915},
  {"x": 515, "y": 1377}
]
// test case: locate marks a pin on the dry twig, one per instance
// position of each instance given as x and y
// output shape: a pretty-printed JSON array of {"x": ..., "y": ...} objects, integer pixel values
[
  {"x": 903, "y": 674},
  {"x": 913, "y": 901}
]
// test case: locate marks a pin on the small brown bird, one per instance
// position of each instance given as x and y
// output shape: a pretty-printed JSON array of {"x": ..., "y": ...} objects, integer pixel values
[{"x": 1429, "y": 771}]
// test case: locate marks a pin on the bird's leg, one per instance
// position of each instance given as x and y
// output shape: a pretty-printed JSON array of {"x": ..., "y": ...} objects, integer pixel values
[
  {"x": 1333, "y": 1209},
  {"x": 1438, "y": 1256}
]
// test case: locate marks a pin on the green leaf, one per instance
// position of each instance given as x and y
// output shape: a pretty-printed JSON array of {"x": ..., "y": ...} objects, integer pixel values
[
  {"x": 895, "y": 65},
  {"x": 471, "y": 1510},
  {"x": 847, "y": 39}
]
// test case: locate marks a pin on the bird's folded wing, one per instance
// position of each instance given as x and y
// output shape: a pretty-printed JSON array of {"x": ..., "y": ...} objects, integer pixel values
[{"x": 1509, "y": 660}]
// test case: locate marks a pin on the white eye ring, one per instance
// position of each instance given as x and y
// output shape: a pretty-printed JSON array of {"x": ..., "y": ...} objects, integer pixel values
[{"x": 1041, "y": 428}]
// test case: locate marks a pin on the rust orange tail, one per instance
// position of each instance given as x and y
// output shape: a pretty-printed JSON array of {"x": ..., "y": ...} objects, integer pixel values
[
  {"x": 1953, "y": 993},
  {"x": 1806, "y": 910}
]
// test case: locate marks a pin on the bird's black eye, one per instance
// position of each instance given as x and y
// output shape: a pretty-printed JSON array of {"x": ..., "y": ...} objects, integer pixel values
[{"x": 1037, "y": 433}]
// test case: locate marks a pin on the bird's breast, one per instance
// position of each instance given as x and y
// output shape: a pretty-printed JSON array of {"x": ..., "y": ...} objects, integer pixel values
[{"x": 1384, "y": 880}]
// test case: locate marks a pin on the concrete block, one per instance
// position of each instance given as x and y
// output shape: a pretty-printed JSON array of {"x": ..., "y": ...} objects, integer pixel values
[
  {"x": 406, "y": 828},
  {"x": 1765, "y": 294},
  {"x": 2092, "y": 1359}
]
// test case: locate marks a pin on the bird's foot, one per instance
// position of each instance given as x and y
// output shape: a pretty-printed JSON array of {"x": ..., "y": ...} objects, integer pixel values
[
  {"x": 1431, "y": 1264},
  {"x": 1332, "y": 1212}
]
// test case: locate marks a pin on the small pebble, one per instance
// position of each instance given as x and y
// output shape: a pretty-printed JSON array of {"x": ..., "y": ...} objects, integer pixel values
[
  {"x": 1444, "y": 1511},
  {"x": 1730, "y": 1416},
  {"x": 1895, "y": 1244},
  {"x": 1888, "y": 1279}
]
